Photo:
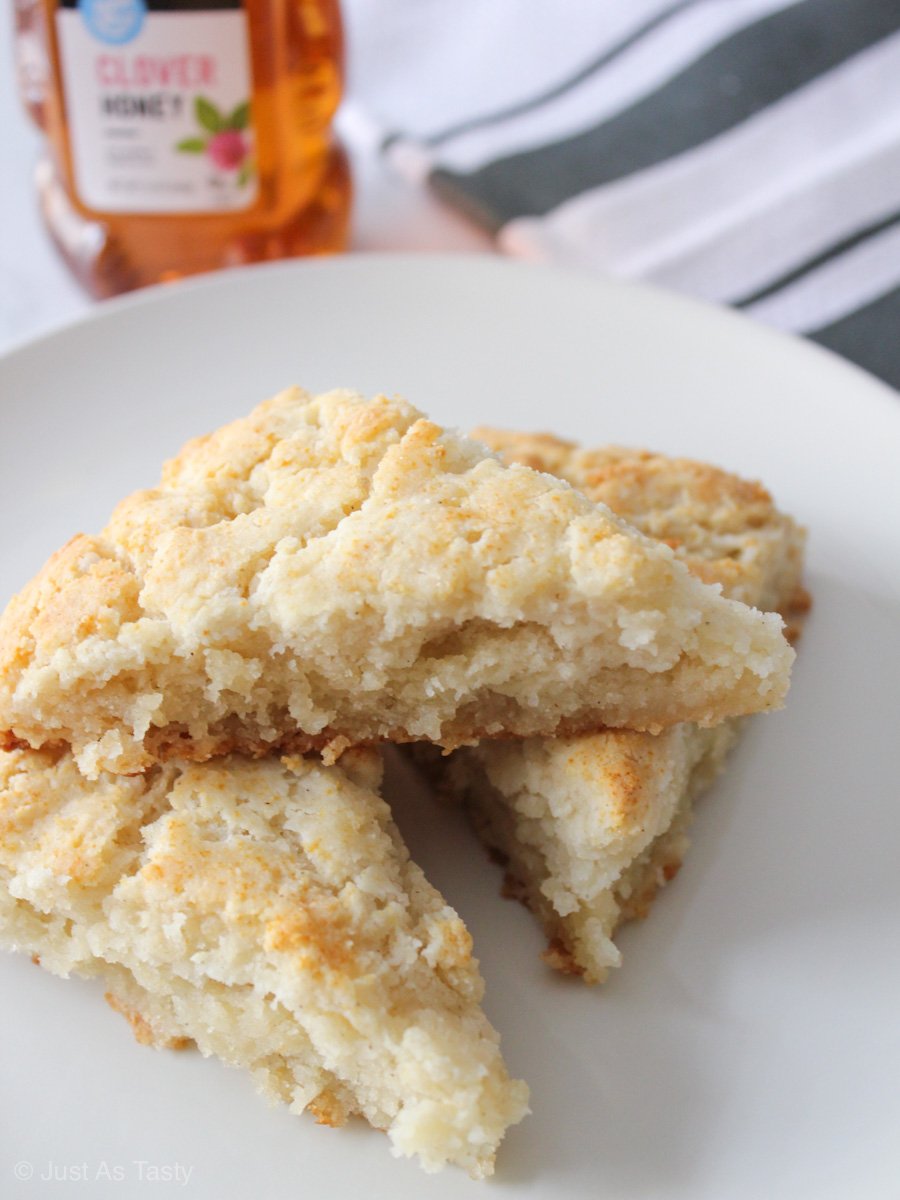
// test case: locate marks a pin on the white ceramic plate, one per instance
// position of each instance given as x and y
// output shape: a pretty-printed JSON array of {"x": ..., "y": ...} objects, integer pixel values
[{"x": 750, "y": 1045}]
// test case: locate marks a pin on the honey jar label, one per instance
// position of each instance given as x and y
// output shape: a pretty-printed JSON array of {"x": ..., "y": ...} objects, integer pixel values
[{"x": 158, "y": 104}]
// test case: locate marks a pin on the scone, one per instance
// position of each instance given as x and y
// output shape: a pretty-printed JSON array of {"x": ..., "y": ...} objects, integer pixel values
[
  {"x": 334, "y": 571},
  {"x": 590, "y": 827},
  {"x": 269, "y": 912}
]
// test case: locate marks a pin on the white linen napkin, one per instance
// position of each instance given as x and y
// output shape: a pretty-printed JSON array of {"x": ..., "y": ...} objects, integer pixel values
[{"x": 742, "y": 151}]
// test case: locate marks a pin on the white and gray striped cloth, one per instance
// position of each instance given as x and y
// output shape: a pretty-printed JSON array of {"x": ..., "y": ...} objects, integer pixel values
[{"x": 743, "y": 151}]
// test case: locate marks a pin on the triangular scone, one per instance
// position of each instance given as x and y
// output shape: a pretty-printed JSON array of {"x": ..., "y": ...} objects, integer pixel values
[
  {"x": 340, "y": 571},
  {"x": 269, "y": 912},
  {"x": 590, "y": 827}
]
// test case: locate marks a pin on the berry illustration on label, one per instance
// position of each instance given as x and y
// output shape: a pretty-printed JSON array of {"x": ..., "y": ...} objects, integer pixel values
[{"x": 223, "y": 139}]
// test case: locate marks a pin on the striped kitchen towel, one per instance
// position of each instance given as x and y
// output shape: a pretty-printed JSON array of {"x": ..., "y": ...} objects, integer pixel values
[{"x": 743, "y": 151}]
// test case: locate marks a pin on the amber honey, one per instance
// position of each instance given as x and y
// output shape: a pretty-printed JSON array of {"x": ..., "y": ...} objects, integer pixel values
[{"x": 185, "y": 135}]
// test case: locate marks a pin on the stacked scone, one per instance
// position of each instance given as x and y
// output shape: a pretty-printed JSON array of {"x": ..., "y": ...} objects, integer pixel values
[
  {"x": 590, "y": 827},
  {"x": 191, "y": 701}
]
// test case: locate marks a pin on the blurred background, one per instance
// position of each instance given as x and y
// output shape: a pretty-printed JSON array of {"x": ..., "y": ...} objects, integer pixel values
[{"x": 745, "y": 152}]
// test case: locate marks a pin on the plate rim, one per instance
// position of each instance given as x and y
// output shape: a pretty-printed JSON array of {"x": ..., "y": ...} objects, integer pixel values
[{"x": 877, "y": 391}]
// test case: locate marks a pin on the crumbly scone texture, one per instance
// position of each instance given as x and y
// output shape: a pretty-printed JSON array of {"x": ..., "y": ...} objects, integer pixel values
[
  {"x": 269, "y": 912},
  {"x": 333, "y": 570},
  {"x": 590, "y": 827}
]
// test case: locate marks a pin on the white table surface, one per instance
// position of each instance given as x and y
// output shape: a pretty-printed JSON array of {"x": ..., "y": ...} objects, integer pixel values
[{"x": 37, "y": 292}]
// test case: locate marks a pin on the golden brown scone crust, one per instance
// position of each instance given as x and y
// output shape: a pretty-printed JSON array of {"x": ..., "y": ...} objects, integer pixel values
[
  {"x": 726, "y": 530},
  {"x": 335, "y": 568}
]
